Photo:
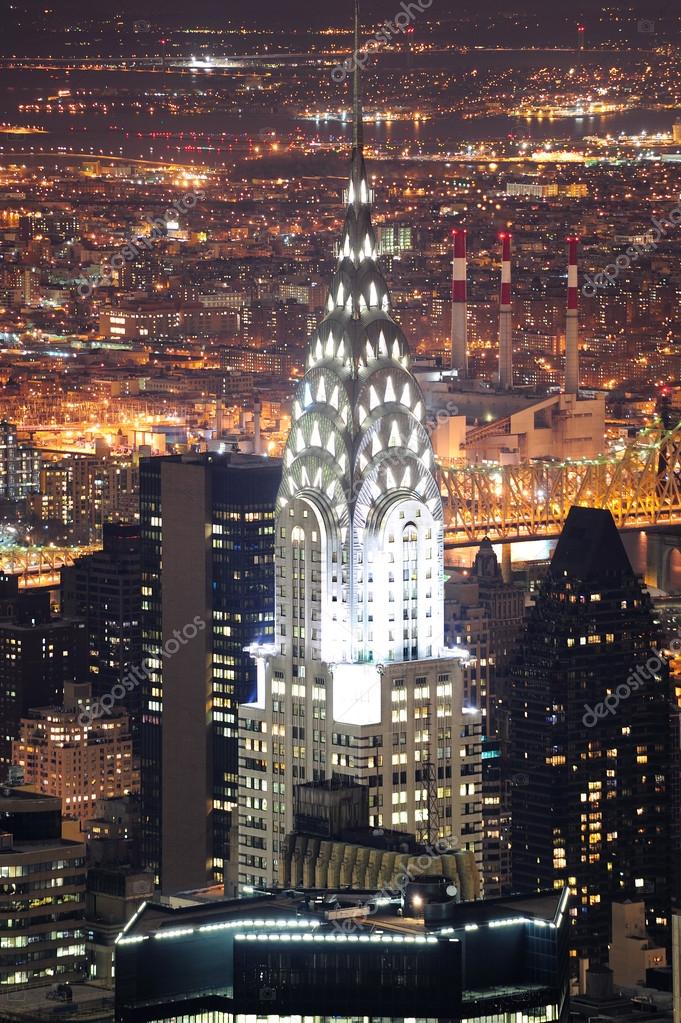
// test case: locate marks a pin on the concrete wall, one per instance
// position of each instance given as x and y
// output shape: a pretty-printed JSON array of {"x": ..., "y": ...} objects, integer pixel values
[{"x": 560, "y": 427}]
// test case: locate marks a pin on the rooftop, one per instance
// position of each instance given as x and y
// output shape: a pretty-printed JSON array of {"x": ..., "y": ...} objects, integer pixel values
[
  {"x": 41, "y": 845},
  {"x": 590, "y": 547},
  {"x": 323, "y": 909},
  {"x": 91, "y": 1004}
]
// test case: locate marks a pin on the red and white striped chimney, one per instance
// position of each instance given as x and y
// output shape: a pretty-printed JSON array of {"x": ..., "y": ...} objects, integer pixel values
[
  {"x": 505, "y": 316},
  {"x": 572, "y": 321},
  {"x": 459, "y": 336},
  {"x": 257, "y": 410}
]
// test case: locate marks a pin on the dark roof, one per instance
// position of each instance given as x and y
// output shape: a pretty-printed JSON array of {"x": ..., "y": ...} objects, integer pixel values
[
  {"x": 590, "y": 548},
  {"x": 312, "y": 905}
]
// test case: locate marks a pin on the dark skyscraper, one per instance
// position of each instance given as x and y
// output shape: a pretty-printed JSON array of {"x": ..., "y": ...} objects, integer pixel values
[
  {"x": 484, "y": 615},
  {"x": 207, "y": 593},
  {"x": 591, "y": 736},
  {"x": 505, "y": 608},
  {"x": 104, "y": 590},
  {"x": 38, "y": 654}
]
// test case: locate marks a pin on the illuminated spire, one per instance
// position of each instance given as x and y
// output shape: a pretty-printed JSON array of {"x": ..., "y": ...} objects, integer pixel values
[{"x": 359, "y": 456}]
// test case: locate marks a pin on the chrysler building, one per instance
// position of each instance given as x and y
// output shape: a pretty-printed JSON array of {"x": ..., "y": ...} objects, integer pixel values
[{"x": 358, "y": 681}]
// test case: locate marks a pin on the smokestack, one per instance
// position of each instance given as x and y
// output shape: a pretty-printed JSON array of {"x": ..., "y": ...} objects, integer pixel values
[
  {"x": 459, "y": 306},
  {"x": 257, "y": 408},
  {"x": 505, "y": 316},
  {"x": 219, "y": 417},
  {"x": 572, "y": 321}
]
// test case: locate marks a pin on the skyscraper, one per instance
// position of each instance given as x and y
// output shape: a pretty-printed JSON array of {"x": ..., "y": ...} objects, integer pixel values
[
  {"x": 104, "y": 590},
  {"x": 591, "y": 735},
  {"x": 484, "y": 615},
  {"x": 38, "y": 655},
  {"x": 358, "y": 681},
  {"x": 207, "y": 525}
]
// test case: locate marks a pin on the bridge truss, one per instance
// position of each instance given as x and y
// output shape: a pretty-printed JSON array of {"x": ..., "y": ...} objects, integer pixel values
[
  {"x": 640, "y": 485},
  {"x": 39, "y": 566}
]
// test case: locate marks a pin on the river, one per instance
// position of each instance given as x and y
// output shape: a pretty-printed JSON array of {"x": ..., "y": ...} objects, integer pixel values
[{"x": 126, "y": 133}]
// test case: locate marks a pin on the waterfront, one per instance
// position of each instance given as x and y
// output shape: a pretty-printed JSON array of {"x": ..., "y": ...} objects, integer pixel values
[{"x": 121, "y": 125}]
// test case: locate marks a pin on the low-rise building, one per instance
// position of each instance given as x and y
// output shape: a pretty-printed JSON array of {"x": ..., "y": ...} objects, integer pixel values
[
  {"x": 417, "y": 953},
  {"x": 632, "y": 952},
  {"x": 78, "y": 761},
  {"x": 42, "y": 894}
]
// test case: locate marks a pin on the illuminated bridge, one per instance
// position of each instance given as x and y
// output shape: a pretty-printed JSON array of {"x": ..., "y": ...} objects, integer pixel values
[
  {"x": 39, "y": 566},
  {"x": 640, "y": 485}
]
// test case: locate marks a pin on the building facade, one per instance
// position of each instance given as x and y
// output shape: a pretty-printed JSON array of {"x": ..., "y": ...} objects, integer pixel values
[
  {"x": 19, "y": 465},
  {"x": 401, "y": 957},
  {"x": 207, "y": 525},
  {"x": 103, "y": 589},
  {"x": 358, "y": 681},
  {"x": 42, "y": 894},
  {"x": 591, "y": 734},
  {"x": 484, "y": 615},
  {"x": 78, "y": 763},
  {"x": 113, "y": 896},
  {"x": 78, "y": 493},
  {"x": 38, "y": 655}
]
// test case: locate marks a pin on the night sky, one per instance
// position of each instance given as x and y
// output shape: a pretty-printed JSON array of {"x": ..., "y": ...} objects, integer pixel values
[
  {"x": 41, "y": 27},
  {"x": 302, "y": 13}
]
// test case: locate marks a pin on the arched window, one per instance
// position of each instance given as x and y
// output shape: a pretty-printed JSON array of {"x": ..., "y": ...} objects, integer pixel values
[{"x": 410, "y": 552}]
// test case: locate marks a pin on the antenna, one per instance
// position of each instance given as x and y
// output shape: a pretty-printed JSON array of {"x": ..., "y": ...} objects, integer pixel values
[
  {"x": 431, "y": 831},
  {"x": 357, "y": 127}
]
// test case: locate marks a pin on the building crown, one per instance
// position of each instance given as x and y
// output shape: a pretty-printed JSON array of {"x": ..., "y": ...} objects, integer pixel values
[{"x": 358, "y": 446}]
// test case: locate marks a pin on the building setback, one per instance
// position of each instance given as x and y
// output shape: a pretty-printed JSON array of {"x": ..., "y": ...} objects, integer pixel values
[
  {"x": 592, "y": 741},
  {"x": 62, "y": 756},
  {"x": 207, "y": 593}
]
